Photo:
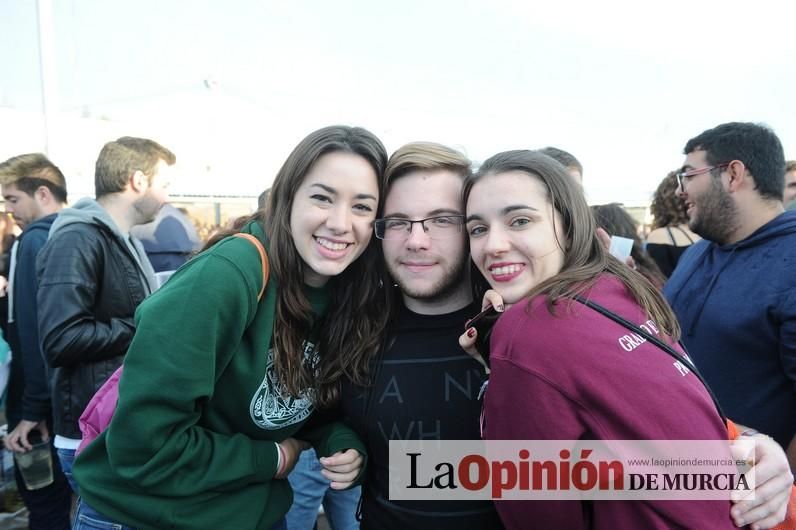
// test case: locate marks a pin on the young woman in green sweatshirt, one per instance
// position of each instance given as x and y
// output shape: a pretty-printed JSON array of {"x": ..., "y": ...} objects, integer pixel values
[{"x": 217, "y": 396}]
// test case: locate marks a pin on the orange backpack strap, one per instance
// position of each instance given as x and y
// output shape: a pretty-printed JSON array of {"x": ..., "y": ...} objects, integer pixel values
[{"x": 263, "y": 259}]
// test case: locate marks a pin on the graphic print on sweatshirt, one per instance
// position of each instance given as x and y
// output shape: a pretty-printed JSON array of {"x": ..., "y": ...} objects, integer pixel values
[{"x": 272, "y": 407}]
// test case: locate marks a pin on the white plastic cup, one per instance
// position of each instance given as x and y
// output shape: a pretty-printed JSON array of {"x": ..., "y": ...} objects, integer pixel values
[{"x": 36, "y": 465}]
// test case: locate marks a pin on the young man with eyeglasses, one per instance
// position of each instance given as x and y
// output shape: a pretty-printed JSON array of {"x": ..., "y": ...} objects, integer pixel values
[
  {"x": 734, "y": 293},
  {"x": 425, "y": 387}
]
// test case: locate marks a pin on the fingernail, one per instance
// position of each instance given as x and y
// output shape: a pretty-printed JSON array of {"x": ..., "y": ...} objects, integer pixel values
[
  {"x": 499, "y": 308},
  {"x": 471, "y": 332}
]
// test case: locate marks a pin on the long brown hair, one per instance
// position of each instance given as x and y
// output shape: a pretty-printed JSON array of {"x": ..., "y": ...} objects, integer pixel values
[
  {"x": 585, "y": 257},
  {"x": 352, "y": 328},
  {"x": 615, "y": 220}
]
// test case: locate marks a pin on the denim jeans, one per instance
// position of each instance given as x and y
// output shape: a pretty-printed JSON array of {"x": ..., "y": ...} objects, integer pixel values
[
  {"x": 311, "y": 489},
  {"x": 67, "y": 457},
  {"x": 87, "y": 518}
]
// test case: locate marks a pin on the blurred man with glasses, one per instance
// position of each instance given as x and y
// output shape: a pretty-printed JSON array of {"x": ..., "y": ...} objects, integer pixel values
[{"x": 735, "y": 291}]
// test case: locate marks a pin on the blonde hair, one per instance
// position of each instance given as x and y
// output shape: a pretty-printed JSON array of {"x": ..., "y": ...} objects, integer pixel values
[
  {"x": 123, "y": 157},
  {"x": 425, "y": 156},
  {"x": 30, "y": 171}
]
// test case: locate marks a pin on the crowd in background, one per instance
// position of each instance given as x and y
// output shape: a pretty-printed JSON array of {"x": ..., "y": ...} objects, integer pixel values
[{"x": 294, "y": 343}]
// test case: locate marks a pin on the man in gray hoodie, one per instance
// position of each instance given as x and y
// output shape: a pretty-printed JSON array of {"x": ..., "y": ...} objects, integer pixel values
[{"x": 92, "y": 276}]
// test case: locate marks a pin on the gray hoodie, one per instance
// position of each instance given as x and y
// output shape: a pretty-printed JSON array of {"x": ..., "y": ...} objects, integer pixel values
[{"x": 89, "y": 211}]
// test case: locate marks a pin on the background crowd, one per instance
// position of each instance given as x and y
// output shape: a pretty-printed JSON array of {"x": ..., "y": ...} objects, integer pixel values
[{"x": 107, "y": 281}]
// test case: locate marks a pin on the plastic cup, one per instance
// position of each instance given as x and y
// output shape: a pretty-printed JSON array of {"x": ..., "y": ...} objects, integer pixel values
[{"x": 36, "y": 465}]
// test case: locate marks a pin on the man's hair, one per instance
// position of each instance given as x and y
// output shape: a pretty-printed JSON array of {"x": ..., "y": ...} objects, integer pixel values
[
  {"x": 755, "y": 145},
  {"x": 428, "y": 156},
  {"x": 119, "y": 159},
  {"x": 562, "y": 157},
  {"x": 31, "y": 171},
  {"x": 790, "y": 165}
]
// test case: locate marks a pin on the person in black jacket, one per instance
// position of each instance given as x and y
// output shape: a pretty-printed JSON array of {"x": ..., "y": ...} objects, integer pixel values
[
  {"x": 423, "y": 386},
  {"x": 92, "y": 276},
  {"x": 34, "y": 190}
]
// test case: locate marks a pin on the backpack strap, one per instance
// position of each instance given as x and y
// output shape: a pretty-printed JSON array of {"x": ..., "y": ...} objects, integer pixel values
[
  {"x": 263, "y": 259},
  {"x": 685, "y": 360}
]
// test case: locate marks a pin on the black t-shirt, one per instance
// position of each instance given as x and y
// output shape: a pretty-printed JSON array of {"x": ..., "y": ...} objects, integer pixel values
[{"x": 426, "y": 387}]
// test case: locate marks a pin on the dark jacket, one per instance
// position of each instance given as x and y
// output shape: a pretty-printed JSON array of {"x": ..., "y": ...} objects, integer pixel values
[
  {"x": 736, "y": 305},
  {"x": 169, "y": 240},
  {"x": 28, "y": 392},
  {"x": 90, "y": 283}
]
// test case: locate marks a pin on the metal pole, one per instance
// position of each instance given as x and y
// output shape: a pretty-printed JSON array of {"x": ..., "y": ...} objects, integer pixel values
[{"x": 49, "y": 92}]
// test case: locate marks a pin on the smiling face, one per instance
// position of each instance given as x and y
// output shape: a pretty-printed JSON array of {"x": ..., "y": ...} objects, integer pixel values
[
  {"x": 516, "y": 236},
  {"x": 712, "y": 214},
  {"x": 332, "y": 215},
  {"x": 427, "y": 270}
]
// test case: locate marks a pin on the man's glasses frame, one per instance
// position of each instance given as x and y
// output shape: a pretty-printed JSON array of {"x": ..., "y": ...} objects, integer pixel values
[
  {"x": 691, "y": 173},
  {"x": 382, "y": 232}
]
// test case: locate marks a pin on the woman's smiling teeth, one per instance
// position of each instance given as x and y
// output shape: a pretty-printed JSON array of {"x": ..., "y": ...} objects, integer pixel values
[
  {"x": 331, "y": 245},
  {"x": 506, "y": 269}
]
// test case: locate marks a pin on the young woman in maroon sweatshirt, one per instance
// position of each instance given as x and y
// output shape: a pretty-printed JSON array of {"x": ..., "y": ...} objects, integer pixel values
[{"x": 561, "y": 370}]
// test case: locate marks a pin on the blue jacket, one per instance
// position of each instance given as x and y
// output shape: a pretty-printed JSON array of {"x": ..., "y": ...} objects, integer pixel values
[
  {"x": 28, "y": 389},
  {"x": 737, "y": 307}
]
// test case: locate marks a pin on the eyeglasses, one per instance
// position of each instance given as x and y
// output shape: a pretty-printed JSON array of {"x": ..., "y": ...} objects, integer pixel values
[
  {"x": 437, "y": 227},
  {"x": 691, "y": 173}
]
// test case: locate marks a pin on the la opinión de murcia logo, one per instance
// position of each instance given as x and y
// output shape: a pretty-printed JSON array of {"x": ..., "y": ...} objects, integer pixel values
[{"x": 566, "y": 469}]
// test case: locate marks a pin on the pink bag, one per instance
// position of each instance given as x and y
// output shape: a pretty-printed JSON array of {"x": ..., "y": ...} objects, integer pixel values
[{"x": 99, "y": 411}]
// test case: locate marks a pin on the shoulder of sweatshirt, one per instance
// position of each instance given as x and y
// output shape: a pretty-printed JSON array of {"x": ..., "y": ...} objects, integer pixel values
[
  {"x": 530, "y": 323},
  {"x": 231, "y": 266},
  {"x": 235, "y": 249}
]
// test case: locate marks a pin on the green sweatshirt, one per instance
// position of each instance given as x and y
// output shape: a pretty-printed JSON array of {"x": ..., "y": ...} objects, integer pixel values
[{"x": 191, "y": 444}]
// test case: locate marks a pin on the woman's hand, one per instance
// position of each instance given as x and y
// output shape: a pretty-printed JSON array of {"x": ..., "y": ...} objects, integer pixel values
[
  {"x": 342, "y": 468},
  {"x": 773, "y": 486},
  {"x": 468, "y": 338},
  {"x": 291, "y": 450}
]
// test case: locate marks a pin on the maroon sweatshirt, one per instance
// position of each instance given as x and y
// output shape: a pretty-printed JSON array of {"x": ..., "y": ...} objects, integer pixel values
[{"x": 571, "y": 376}]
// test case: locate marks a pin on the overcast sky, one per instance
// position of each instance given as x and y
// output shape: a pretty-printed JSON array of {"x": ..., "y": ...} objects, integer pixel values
[{"x": 232, "y": 86}]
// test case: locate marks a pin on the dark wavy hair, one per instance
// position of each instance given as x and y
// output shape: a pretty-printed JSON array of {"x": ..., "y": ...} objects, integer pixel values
[
  {"x": 585, "y": 257},
  {"x": 352, "y": 329},
  {"x": 667, "y": 208},
  {"x": 753, "y": 144},
  {"x": 615, "y": 220}
]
